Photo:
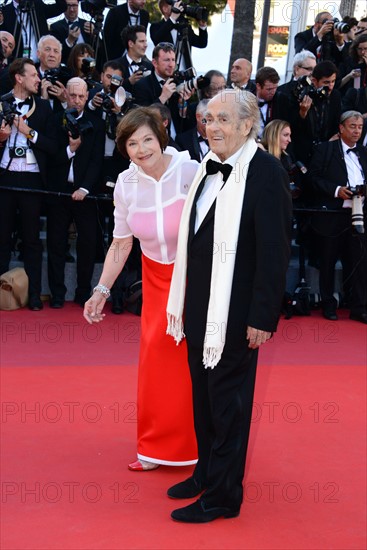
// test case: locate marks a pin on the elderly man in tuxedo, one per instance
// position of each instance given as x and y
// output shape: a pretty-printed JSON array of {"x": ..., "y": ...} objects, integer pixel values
[{"x": 228, "y": 283}]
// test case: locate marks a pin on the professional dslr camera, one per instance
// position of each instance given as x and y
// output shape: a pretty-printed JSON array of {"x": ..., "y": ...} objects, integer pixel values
[
  {"x": 305, "y": 87},
  {"x": 196, "y": 12},
  {"x": 359, "y": 191},
  {"x": 187, "y": 80},
  {"x": 116, "y": 94},
  {"x": 74, "y": 126},
  {"x": 96, "y": 7},
  {"x": 61, "y": 74},
  {"x": 87, "y": 68},
  {"x": 8, "y": 108},
  {"x": 340, "y": 26}
]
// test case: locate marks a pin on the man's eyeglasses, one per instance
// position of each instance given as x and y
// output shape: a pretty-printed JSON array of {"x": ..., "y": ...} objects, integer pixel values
[{"x": 306, "y": 68}]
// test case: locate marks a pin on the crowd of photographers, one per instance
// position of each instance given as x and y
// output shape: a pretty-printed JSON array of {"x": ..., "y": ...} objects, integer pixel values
[{"x": 64, "y": 88}]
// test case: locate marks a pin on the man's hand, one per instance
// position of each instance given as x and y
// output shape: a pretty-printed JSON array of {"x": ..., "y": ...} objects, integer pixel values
[
  {"x": 73, "y": 35},
  {"x": 79, "y": 195},
  {"x": 327, "y": 27},
  {"x": 97, "y": 101},
  {"x": 5, "y": 131},
  {"x": 74, "y": 144},
  {"x": 88, "y": 27},
  {"x": 305, "y": 106},
  {"x": 178, "y": 6},
  {"x": 344, "y": 193},
  {"x": 21, "y": 125},
  {"x": 58, "y": 90},
  {"x": 45, "y": 86},
  {"x": 135, "y": 77},
  {"x": 256, "y": 337},
  {"x": 168, "y": 89}
]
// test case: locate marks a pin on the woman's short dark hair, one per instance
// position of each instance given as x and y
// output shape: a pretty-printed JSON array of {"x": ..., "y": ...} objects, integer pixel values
[
  {"x": 135, "y": 119},
  {"x": 76, "y": 51}
]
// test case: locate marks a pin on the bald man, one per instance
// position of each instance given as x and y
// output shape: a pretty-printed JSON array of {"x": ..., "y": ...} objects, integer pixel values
[
  {"x": 76, "y": 170},
  {"x": 240, "y": 75},
  {"x": 7, "y": 44}
]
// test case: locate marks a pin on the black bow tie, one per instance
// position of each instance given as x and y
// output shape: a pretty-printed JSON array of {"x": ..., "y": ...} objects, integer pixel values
[
  {"x": 354, "y": 150},
  {"x": 213, "y": 167},
  {"x": 262, "y": 102},
  {"x": 27, "y": 101},
  {"x": 200, "y": 138},
  {"x": 134, "y": 15}
]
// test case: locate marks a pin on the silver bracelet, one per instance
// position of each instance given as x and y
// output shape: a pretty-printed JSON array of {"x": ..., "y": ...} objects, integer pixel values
[{"x": 105, "y": 291}]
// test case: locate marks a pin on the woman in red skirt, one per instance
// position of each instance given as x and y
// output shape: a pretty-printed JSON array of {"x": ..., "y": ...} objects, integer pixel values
[{"x": 149, "y": 198}]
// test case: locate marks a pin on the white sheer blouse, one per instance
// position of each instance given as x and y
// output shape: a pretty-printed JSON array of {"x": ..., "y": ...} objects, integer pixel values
[{"x": 151, "y": 210}]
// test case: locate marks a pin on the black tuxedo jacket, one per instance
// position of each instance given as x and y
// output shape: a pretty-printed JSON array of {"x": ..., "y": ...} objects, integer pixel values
[
  {"x": 307, "y": 41},
  {"x": 355, "y": 100},
  {"x": 126, "y": 70},
  {"x": 87, "y": 163},
  {"x": 46, "y": 146},
  {"x": 117, "y": 19},
  {"x": 148, "y": 90},
  {"x": 60, "y": 30},
  {"x": 189, "y": 141},
  {"x": 42, "y": 11},
  {"x": 161, "y": 32},
  {"x": 262, "y": 257}
]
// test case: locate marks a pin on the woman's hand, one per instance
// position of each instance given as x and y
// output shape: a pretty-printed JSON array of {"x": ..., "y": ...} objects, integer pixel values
[{"x": 93, "y": 308}]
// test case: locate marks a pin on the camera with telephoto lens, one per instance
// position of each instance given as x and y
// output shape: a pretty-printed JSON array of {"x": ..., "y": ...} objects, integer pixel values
[
  {"x": 73, "y": 126},
  {"x": 8, "y": 108},
  {"x": 26, "y": 5},
  {"x": 87, "y": 68},
  {"x": 340, "y": 26},
  {"x": 196, "y": 12},
  {"x": 359, "y": 192},
  {"x": 96, "y": 7},
  {"x": 61, "y": 74},
  {"x": 188, "y": 81},
  {"x": 116, "y": 94},
  {"x": 305, "y": 87}
]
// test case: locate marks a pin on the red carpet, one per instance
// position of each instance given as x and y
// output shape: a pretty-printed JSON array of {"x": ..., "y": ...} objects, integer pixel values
[{"x": 68, "y": 432}]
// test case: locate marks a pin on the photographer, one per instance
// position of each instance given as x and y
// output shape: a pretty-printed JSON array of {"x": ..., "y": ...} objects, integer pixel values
[
  {"x": 72, "y": 29},
  {"x": 51, "y": 88},
  {"x": 315, "y": 119},
  {"x": 324, "y": 39},
  {"x": 76, "y": 170},
  {"x": 26, "y": 20},
  {"x": 174, "y": 26},
  {"x": 161, "y": 86},
  {"x": 7, "y": 45},
  {"x": 134, "y": 62},
  {"x": 26, "y": 141},
  {"x": 304, "y": 63},
  {"x": 130, "y": 13},
  {"x": 337, "y": 169}
]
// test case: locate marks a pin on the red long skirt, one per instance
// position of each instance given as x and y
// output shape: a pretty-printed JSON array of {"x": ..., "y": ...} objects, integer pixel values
[{"x": 165, "y": 412}]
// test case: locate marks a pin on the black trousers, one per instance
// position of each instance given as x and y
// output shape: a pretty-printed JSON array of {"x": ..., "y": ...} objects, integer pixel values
[
  {"x": 28, "y": 205},
  {"x": 60, "y": 211},
  {"x": 223, "y": 399}
]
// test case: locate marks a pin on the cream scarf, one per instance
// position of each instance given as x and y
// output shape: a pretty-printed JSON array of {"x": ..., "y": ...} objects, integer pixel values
[{"x": 226, "y": 227}]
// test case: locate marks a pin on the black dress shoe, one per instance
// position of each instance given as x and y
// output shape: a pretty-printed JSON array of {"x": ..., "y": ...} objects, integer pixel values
[
  {"x": 35, "y": 302},
  {"x": 330, "y": 315},
  {"x": 361, "y": 317},
  {"x": 198, "y": 513},
  {"x": 117, "y": 305},
  {"x": 57, "y": 303},
  {"x": 189, "y": 488}
]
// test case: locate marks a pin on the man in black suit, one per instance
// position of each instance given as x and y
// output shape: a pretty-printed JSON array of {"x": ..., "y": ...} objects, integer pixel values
[
  {"x": 160, "y": 86},
  {"x": 76, "y": 170},
  {"x": 49, "y": 54},
  {"x": 323, "y": 40},
  {"x": 25, "y": 147},
  {"x": 173, "y": 27},
  {"x": 131, "y": 13},
  {"x": 134, "y": 62},
  {"x": 7, "y": 45},
  {"x": 241, "y": 74},
  {"x": 272, "y": 105},
  {"x": 72, "y": 29},
  {"x": 315, "y": 120},
  {"x": 235, "y": 241},
  {"x": 194, "y": 140},
  {"x": 28, "y": 27},
  {"x": 336, "y": 167}
]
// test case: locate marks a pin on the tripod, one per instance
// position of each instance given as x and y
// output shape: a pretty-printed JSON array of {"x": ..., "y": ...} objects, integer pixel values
[
  {"x": 28, "y": 25},
  {"x": 182, "y": 49}
]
